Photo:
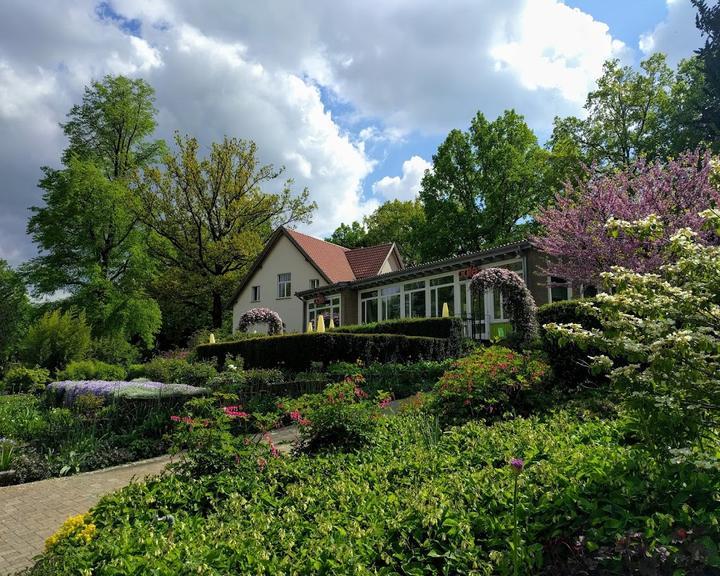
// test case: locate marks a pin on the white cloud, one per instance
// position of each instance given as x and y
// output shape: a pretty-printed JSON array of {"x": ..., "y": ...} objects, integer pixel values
[
  {"x": 407, "y": 186},
  {"x": 676, "y": 36},
  {"x": 553, "y": 46}
]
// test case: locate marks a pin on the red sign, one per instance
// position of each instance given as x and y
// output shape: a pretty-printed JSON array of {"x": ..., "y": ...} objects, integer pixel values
[{"x": 468, "y": 272}]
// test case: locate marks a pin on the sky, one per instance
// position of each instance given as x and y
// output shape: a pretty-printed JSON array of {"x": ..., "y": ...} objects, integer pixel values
[{"x": 353, "y": 98}]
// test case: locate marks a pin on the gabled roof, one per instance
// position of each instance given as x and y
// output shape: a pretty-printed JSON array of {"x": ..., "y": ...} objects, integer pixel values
[
  {"x": 328, "y": 258},
  {"x": 368, "y": 261},
  {"x": 334, "y": 263}
]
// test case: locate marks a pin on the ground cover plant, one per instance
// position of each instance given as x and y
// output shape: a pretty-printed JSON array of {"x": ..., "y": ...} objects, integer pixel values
[{"x": 414, "y": 501}]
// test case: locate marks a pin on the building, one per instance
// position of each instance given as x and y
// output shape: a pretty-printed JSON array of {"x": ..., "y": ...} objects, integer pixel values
[
  {"x": 301, "y": 277},
  {"x": 292, "y": 262}
]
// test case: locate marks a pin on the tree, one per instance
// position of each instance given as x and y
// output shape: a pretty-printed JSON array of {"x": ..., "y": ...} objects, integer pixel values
[
  {"x": 14, "y": 312},
  {"x": 484, "y": 186},
  {"x": 351, "y": 235},
  {"x": 90, "y": 242},
  {"x": 210, "y": 217},
  {"x": 651, "y": 113},
  {"x": 56, "y": 339},
  {"x": 708, "y": 22},
  {"x": 574, "y": 235},
  {"x": 400, "y": 222}
]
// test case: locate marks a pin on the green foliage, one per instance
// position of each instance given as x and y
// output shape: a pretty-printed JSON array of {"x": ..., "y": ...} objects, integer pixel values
[
  {"x": 341, "y": 417},
  {"x": 417, "y": 503},
  {"x": 91, "y": 370},
  {"x": 91, "y": 244},
  {"x": 22, "y": 380},
  {"x": 210, "y": 217},
  {"x": 14, "y": 312},
  {"x": 484, "y": 186},
  {"x": 708, "y": 22},
  {"x": 179, "y": 371},
  {"x": 56, "y": 339},
  {"x": 487, "y": 383},
  {"x": 570, "y": 362},
  {"x": 658, "y": 337},
  {"x": 297, "y": 352},
  {"x": 429, "y": 327},
  {"x": 113, "y": 350}
]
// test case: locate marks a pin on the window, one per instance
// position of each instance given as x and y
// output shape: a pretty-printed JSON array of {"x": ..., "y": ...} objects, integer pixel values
[
  {"x": 329, "y": 308},
  {"x": 390, "y": 302},
  {"x": 255, "y": 294},
  {"x": 314, "y": 283},
  {"x": 559, "y": 289},
  {"x": 284, "y": 286},
  {"x": 415, "y": 299},
  {"x": 442, "y": 291},
  {"x": 369, "y": 306}
]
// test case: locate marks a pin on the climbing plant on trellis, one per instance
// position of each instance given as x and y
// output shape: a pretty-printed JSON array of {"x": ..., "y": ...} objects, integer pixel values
[
  {"x": 261, "y": 316},
  {"x": 517, "y": 299}
]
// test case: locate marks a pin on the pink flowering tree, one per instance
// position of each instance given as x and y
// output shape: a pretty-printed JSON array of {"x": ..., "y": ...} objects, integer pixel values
[
  {"x": 575, "y": 238},
  {"x": 517, "y": 299},
  {"x": 261, "y": 316}
]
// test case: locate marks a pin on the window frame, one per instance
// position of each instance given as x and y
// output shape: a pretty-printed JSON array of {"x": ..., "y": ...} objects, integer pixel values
[
  {"x": 255, "y": 293},
  {"x": 284, "y": 287}
]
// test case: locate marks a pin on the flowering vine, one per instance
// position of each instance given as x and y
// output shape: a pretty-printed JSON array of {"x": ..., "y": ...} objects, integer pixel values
[{"x": 261, "y": 316}]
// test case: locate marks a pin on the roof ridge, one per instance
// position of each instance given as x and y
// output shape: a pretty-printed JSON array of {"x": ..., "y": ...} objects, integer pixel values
[{"x": 315, "y": 238}]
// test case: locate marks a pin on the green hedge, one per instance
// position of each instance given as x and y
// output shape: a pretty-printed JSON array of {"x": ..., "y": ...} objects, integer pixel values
[
  {"x": 429, "y": 327},
  {"x": 568, "y": 362},
  {"x": 297, "y": 352}
]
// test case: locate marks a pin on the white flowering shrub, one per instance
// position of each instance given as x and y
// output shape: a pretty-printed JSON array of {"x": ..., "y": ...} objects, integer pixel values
[
  {"x": 660, "y": 337},
  {"x": 261, "y": 316}
]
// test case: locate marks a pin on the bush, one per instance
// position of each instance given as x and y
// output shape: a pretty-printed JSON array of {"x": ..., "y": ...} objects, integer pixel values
[
  {"x": 429, "y": 327},
  {"x": 570, "y": 362},
  {"x": 487, "y": 383},
  {"x": 340, "y": 417},
  {"x": 401, "y": 380},
  {"x": 114, "y": 350},
  {"x": 179, "y": 371},
  {"x": 56, "y": 339},
  {"x": 92, "y": 370},
  {"x": 20, "y": 379},
  {"x": 297, "y": 352}
]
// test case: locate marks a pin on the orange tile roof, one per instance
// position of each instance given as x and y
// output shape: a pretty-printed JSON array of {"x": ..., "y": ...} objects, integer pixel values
[
  {"x": 368, "y": 261},
  {"x": 329, "y": 258}
]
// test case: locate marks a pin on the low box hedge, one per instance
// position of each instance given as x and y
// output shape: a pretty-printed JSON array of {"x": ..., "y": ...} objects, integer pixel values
[
  {"x": 430, "y": 327},
  {"x": 297, "y": 352}
]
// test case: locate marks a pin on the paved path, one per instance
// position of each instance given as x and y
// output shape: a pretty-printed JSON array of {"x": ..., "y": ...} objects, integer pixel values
[{"x": 30, "y": 513}]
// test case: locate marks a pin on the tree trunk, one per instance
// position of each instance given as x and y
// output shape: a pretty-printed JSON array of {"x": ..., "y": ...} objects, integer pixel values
[{"x": 217, "y": 309}]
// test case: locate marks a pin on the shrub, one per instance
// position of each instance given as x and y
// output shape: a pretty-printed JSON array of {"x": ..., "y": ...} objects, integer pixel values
[
  {"x": 429, "y": 327},
  {"x": 114, "y": 350},
  {"x": 297, "y": 352},
  {"x": 20, "y": 379},
  {"x": 179, "y": 371},
  {"x": 56, "y": 339},
  {"x": 570, "y": 362},
  {"x": 487, "y": 383},
  {"x": 401, "y": 380},
  {"x": 340, "y": 417},
  {"x": 92, "y": 370}
]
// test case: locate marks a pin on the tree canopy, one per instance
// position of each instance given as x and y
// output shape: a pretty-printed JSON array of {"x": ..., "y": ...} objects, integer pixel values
[
  {"x": 14, "y": 312},
  {"x": 210, "y": 216},
  {"x": 708, "y": 22}
]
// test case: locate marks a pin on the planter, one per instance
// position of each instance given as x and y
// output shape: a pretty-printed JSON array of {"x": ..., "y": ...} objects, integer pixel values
[{"x": 7, "y": 477}]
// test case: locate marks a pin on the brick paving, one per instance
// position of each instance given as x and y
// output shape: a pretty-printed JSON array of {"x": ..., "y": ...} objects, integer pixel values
[{"x": 30, "y": 513}]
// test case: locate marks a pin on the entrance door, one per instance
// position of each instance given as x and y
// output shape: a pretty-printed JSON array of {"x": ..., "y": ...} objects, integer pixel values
[{"x": 473, "y": 309}]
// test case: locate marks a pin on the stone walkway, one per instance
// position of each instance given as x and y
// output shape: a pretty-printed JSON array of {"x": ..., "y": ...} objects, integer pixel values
[{"x": 30, "y": 513}]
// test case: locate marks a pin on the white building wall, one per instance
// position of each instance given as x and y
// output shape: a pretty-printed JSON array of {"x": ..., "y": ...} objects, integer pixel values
[{"x": 283, "y": 258}]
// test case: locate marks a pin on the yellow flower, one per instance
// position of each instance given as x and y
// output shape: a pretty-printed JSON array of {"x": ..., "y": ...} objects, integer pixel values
[{"x": 74, "y": 527}]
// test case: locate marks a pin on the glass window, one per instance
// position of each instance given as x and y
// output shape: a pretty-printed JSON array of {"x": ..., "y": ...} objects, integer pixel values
[
  {"x": 284, "y": 285},
  {"x": 415, "y": 304},
  {"x": 390, "y": 302},
  {"x": 330, "y": 308},
  {"x": 255, "y": 295},
  {"x": 414, "y": 286},
  {"x": 442, "y": 291},
  {"x": 442, "y": 280},
  {"x": 371, "y": 294},
  {"x": 314, "y": 283},
  {"x": 559, "y": 289},
  {"x": 369, "y": 310}
]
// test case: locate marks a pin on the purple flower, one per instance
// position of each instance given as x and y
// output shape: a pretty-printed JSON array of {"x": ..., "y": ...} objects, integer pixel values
[
  {"x": 71, "y": 389},
  {"x": 517, "y": 464},
  {"x": 261, "y": 316}
]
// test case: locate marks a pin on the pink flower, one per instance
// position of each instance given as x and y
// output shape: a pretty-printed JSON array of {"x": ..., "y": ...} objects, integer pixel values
[
  {"x": 385, "y": 402},
  {"x": 274, "y": 452},
  {"x": 304, "y": 422},
  {"x": 360, "y": 393},
  {"x": 235, "y": 412},
  {"x": 295, "y": 415},
  {"x": 517, "y": 464}
]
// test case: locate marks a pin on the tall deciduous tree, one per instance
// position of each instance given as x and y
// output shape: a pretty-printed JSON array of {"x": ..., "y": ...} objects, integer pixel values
[
  {"x": 14, "y": 312},
  {"x": 210, "y": 216},
  {"x": 484, "y": 186},
  {"x": 89, "y": 239},
  {"x": 708, "y": 21},
  {"x": 353, "y": 235},
  {"x": 651, "y": 113},
  {"x": 575, "y": 237}
]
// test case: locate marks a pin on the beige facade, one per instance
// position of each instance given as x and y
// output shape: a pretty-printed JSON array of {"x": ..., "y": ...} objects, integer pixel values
[{"x": 283, "y": 258}]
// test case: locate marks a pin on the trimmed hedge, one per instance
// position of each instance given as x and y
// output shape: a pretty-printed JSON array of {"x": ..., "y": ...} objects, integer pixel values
[
  {"x": 297, "y": 352},
  {"x": 428, "y": 327},
  {"x": 568, "y": 361}
]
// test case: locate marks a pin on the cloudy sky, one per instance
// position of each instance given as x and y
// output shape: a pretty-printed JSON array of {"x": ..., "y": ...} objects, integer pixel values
[{"x": 352, "y": 97}]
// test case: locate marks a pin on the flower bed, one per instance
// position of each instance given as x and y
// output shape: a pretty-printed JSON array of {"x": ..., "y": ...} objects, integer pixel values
[{"x": 67, "y": 391}]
